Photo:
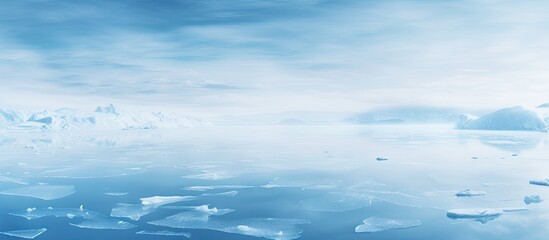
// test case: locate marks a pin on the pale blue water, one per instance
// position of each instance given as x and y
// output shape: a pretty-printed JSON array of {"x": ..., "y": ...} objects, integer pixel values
[{"x": 326, "y": 175}]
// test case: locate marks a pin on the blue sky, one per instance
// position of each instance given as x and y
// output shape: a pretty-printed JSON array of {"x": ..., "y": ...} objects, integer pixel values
[{"x": 245, "y": 56}]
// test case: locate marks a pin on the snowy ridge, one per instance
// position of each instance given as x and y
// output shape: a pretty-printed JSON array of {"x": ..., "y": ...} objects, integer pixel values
[
  {"x": 107, "y": 118},
  {"x": 513, "y": 118}
]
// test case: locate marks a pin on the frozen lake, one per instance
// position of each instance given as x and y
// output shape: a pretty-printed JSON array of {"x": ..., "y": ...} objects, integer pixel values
[{"x": 276, "y": 182}]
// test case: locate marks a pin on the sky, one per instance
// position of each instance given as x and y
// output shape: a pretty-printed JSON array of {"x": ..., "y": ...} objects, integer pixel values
[{"x": 216, "y": 57}]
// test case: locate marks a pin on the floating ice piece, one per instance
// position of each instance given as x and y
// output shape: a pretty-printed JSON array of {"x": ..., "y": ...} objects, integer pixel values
[
  {"x": 382, "y": 158},
  {"x": 117, "y": 194},
  {"x": 91, "y": 220},
  {"x": 478, "y": 214},
  {"x": 375, "y": 224},
  {"x": 12, "y": 180},
  {"x": 162, "y": 200},
  {"x": 337, "y": 203},
  {"x": 205, "y": 188},
  {"x": 45, "y": 192},
  {"x": 226, "y": 194},
  {"x": 470, "y": 193},
  {"x": 104, "y": 223},
  {"x": 131, "y": 211},
  {"x": 543, "y": 182},
  {"x": 532, "y": 199},
  {"x": 210, "y": 175},
  {"x": 27, "y": 234},
  {"x": 165, "y": 233},
  {"x": 270, "y": 228},
  {"x": 89, "y": 172}
]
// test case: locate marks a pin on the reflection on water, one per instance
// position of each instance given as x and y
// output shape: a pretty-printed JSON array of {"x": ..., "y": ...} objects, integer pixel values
[{"x": 279, "y": 182}]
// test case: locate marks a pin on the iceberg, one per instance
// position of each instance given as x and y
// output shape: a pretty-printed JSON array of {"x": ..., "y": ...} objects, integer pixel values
[
  {"x": 543, "y": 182},
  {"x": 165, "y": 233},
  {"x": 478, "y": 214},
  {"x": 532, "y": 199},
  {"x": 470, "y": 193},
  {"x": 375, "y": 224},
  {"x": 27, "y": 234},
  {"x": 514, "y": 118},
  {"x": 44, "y": 192}
]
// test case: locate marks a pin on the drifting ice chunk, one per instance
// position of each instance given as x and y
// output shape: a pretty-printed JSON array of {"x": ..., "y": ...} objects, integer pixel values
[
  {"x": 543, "y": 182},
  {"x": 382, "y": 158},
  {"x": 165, "y": 233},
  {"x": 131, "y": 211},
  {"x": 375, "y": 224},
  {"x": 91, "y": 220},
  {"x": 45, "y": 192},
  {"x": 163, "y": 200},
  {"x": 205, "y": 188},
  {"x": 481, "y": 215},
  {"x": 470, "y": 193},
  {"x": 210, "y": 175},
  {"x": 116, "y": 193},
  {"x": 269, "y": 228},
  {"x": 532, "y": 199},
  {"x": 12, "y": 180},
  {"x": 28, "y": 234},
  {"x": 337, "y": 203},
  {"x": 226, "y": 194},
  {"x": 104, "y": 223}
]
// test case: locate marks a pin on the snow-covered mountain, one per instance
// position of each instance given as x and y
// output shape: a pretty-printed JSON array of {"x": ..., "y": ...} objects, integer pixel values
[
  {"x": 407, "y": 114},
  {"x": 513, "y": 118},
  {"x": 108, "y": 118}
]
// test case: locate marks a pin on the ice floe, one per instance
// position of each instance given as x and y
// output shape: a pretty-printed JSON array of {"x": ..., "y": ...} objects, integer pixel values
[
  {"x": 382, "y": 158},
  {"x": 532, "y": 199},
  {"x": 222, "y": 194},
  {"x": 27, "y": 234},
  {"x": 165, "y": 233},
  {"x": 482, "y": 215},
  {"x": 470, "y": 193},
  {"x": 162, "y": 200},
  {"x": 542, "y": 182},
  {"x": 117, "y": 194},
  {"x": 88, "y": 219},
  {"x": 131, "y": 211},
  {"x": 206, "y": 188},
  {"x": 269, "y": 228},
  {"x": 337, "y": 203},
  {"x": 376, "y": 224},
  {"x": 45, "y": 192}
]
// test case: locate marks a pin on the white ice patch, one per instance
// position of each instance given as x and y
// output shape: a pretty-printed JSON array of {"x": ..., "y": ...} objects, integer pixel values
[
  {"x": 27, "y": 234},
  {"x": 165, "y": 233},
  {"x": 13, "y": 180},
  {"x": 470, "y": 193},
  {"x": 210, "y": 175},
  {"x": 337, "y": 203},
  {"x": 375, "y": 224},
  {"x": 45, "y": 192},
  {"x": 532, "y": 199}
]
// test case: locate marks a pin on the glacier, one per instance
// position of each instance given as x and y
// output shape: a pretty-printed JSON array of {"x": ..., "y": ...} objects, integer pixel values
[{"x": 103, "y": 118}]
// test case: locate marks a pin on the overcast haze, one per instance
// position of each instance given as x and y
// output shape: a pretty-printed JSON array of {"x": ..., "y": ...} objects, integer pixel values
[{"x": 242, "y": 56}]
